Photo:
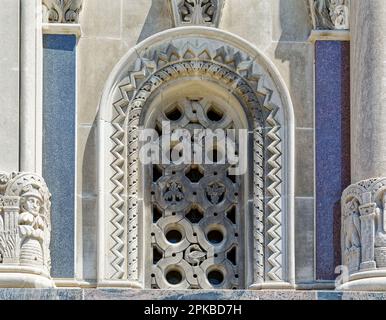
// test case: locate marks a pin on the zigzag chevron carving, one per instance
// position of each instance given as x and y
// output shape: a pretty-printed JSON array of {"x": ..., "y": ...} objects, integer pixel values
[
  {"x": 117, "y": 193},
  {"x": 247, "y": 81},
  {"x": 258, "y": 183},
  {"x": 273, "y": 206}
]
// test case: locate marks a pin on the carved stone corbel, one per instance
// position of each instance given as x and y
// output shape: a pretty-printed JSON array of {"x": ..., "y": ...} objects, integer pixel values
[
  {"x": 61, "y": 11},
  {"x": 197, "y": 12},
  {"x": 330, "y": 14},
  {"x": 25, "y": 230}
]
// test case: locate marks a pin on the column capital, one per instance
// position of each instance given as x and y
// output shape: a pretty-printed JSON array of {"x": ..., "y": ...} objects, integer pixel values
[
  {"x": 330, "y": 14},
  {"x": 25, "y": 229},
  {"x": 61, "y": 11},
  {"x": 62, "y": 17}
]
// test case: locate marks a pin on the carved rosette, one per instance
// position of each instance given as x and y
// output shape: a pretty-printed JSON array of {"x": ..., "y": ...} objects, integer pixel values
[
  {"x": 363, "y": 232},
  {"x": 197, "y": 12},
  {"x": 330, "y": 14},
  {"x": 61, "y": 11},
  {"x": 25, "y": 229}
]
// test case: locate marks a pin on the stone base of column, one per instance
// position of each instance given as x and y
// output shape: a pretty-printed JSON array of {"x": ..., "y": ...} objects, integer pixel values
[
  {"x": 25, "y": 228},
  {"x": 24, "y": 277},
  {"x": 365, "y": 281}
]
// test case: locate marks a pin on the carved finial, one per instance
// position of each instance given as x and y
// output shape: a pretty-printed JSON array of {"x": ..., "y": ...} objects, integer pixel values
[
  {"x": 61, "y": 11},
  {"x": 197, "y": 12},
  {"x": 330, "y": 14}
]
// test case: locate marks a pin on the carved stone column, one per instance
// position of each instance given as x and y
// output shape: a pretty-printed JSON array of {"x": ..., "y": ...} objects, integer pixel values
[
  {"x": 25, "y": 229},
  {"x": 364, "y": 236},
  {"x": 368, "y": 147},
  {"x": 368, "y": 90},
  {"x": 30, "y": 86}
]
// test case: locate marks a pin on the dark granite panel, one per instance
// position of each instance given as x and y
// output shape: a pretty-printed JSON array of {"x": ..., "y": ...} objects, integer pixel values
[
  {"x": 59, "y": 94},
  {"x": 203, "y": 295},
  {"x": 41, "y": 294},
  {"x": 332, "y": 91},
  {"x": 330, "y": 295}
]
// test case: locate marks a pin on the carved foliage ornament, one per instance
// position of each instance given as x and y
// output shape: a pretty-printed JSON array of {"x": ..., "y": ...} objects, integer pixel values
[
  {"x": 25, "y": 225},
  {"x": 197, "y": 12},
  {"x": 330, "y": 14},
  {"x": 61, "y": 11}
]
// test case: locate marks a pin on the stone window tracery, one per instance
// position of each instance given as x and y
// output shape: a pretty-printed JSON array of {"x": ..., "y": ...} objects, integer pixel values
[
  {"x": 229, "y": 84},
  {"x": 196, "y": 234}
]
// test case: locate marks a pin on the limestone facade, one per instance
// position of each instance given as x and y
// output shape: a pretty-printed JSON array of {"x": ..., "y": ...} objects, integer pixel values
[{"x": 197, "y": 64}]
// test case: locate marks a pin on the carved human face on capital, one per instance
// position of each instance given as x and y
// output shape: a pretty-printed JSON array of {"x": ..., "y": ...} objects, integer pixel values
[{"x": 32, "y": 205}]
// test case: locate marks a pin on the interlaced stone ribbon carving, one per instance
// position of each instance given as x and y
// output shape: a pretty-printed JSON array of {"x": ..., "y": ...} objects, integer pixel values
[
  {"x": 364, "y": 226},
  {"x": 25, "y": 221},
  {"x": 197, "y": 239}
]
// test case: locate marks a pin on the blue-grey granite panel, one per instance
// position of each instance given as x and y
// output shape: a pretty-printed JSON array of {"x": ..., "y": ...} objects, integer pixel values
[
  {"x": 329, "y": 295},
  {"x": 203, "y": 295},
  {"x": 356, "y": 295},
  {"x": 41, "y": 294},
  {"x": 59, "y": 94},
  {"x": 332, "y": 90},
  {"x": 217, "y": 295}
]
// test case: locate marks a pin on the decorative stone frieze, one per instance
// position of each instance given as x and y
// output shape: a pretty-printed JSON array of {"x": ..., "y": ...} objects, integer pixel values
[
  {"x": 330, "y": 14},
  {"x": 197, "y": 12},
  {"x": 363, "y": 234},
  {"x": 25, "y": 229},
  {"x": 61, "y": 11}
]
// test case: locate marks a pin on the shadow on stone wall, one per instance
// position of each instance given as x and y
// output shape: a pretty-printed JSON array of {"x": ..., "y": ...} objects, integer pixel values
[
  {"x": 294, "y": 57},
  {"x": 89, "y": 205},
  {"x": 293, "y": 48},
  {"x": 159, "y": 18}
]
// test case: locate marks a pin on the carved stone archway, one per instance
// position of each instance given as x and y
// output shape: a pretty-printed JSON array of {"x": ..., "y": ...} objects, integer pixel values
[{"x": 243, "y": 72}]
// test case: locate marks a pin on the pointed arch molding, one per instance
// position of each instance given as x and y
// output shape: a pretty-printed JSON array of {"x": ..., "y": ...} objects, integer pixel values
[{"x": 246, "y": 73}]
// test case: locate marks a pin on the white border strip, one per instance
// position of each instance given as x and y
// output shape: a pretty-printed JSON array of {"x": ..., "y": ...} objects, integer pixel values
[
  {"x": 329, "y": 35},
  {"x": 62, "y": 28}
]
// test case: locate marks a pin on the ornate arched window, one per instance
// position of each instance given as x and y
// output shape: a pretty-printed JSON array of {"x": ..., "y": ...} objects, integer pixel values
[
  {"x": 195, "y": 225},
  {"x": 195, "y": 212}
]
